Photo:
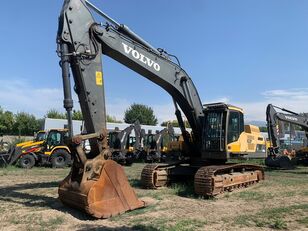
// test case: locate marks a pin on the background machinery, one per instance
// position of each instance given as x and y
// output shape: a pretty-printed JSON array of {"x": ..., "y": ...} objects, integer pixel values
[
  {"x": 50, "y": 151},
  {"x": 284, "y": 157},
  {"x": 121, "y": 144},
  {"x": 99, "y": 186},
  {"x": 20, "y": 148},
  {"x": 156, "y": 145}
]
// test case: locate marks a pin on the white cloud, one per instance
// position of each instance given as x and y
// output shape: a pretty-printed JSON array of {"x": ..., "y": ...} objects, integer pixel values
[
  {"x": 293, "y": 99},
  {"x": 20, "y": 95}
]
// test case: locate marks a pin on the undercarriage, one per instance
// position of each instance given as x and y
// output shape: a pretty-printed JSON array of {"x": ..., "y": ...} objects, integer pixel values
[{"x": 208, "y": 180}]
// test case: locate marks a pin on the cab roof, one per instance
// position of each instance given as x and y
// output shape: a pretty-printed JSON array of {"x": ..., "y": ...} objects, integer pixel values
[{"x": 220, "y": 105}]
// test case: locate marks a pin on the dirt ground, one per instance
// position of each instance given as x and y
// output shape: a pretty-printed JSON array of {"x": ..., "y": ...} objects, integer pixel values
[{"x": 29, "y": 202}]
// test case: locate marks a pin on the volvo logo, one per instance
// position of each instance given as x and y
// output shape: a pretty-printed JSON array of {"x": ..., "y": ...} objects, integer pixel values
[
  {"x": 141, "y": 57},
  {"x": 291, "y": 118}
]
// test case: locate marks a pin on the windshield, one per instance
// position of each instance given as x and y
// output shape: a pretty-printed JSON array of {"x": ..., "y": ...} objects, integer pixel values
[
  {"x": 40, "y": 136},
  {"x": 235, "y": 126},
  {"x": 54, "y": 138},
  {"x": 214, "y": 131}
]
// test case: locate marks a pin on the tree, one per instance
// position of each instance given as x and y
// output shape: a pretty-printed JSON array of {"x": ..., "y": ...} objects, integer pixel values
[
  {"x": 25, "y": 124},
  {"x": 6, "y": 121},
  {"x": 175, "y": 123},
  {"x": 140, "y": 112},
  {"x": 77, "y": 115},
  {"x": 113, "y": 119},
  {"x": 263, "y": 129},
  {"x": 54, "y": 114}
]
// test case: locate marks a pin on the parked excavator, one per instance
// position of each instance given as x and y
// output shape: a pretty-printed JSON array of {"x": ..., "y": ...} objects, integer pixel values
[
  {"x": 98, "y": 185},
  {"x": 156, "y": 145},
  {"x": 119, "y": 143},
  {"x": 285, "y": 158}
]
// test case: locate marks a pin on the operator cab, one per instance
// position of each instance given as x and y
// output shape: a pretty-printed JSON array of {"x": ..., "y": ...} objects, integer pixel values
[
  {"x": 149, "y": 141},
  {"x": 223, "y": 124},
  {"x": 113, "y": 140},
  {"x": 56, "y": 137}
]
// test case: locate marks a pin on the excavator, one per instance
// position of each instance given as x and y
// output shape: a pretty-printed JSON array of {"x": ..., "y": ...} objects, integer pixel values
[
  {"x": 119, "y": 143},
  {"x": 156, "y": 145},
  {"x": 282, "y": 157},
  {"x": 99, "y": 185}
]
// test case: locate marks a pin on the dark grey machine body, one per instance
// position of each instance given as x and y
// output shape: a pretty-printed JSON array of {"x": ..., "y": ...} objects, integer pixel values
[
  {"x": 273, "y": 117},
  {"x": 87, "y": 41}
]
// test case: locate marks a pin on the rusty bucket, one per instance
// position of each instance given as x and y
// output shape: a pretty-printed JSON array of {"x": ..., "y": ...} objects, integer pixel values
[{"x": 100, "y": 188}]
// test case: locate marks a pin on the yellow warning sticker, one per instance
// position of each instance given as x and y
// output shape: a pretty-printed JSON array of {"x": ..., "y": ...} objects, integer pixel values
[{"x": 99, "y": 78}]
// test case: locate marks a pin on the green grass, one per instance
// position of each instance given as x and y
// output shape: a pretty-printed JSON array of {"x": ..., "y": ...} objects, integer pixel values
[
  {"x": 35, "y": 171},
  {"x": 36, "y": 221},
  {"x": 253, "y": 195},
  {"x": 247, "y": 161},
  {"x": 304, "y": 221},
  {"x": 134, "y": 213},
  {"x": 272, "y": 218},
  {"x": 168, "y": 225}
]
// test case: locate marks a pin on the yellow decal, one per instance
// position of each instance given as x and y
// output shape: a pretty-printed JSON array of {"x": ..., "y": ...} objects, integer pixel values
[{"x": 99, "y": 78}]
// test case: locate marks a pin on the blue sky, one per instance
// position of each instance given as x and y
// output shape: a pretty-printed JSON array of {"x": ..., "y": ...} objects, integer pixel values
[{"x": 247, "y": 53}]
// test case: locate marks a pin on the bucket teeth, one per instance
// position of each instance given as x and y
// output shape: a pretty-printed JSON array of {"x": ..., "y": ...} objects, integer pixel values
[{"x": 103, "y": 191}]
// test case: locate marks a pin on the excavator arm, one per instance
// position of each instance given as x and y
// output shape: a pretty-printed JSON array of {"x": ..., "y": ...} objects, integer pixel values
[
  {"x": 276, "y": 158},
  {"x": 83, "y": 41},
  {"x": 124, "y": 135},
  {"x": 159, "y": 136},
  {"x": 273, "y": 118},
  {"x": 95, "y": 184}
]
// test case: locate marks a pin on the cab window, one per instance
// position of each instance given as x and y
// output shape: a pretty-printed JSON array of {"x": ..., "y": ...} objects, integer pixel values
[
  {"x": 54, "y": 138},
  {"x": 235, "y": 126}
]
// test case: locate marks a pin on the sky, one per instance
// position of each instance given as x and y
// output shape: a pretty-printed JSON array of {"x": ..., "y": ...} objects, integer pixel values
[{"x": 246, "y": 53}]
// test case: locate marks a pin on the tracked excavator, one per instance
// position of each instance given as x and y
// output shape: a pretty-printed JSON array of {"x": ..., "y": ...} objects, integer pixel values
[
  {"x": 156, "y": 145},
  {"x": 98, "y": 185},
  {"x": 119, "y": 143},
  {"x": 283, "y": 157}
]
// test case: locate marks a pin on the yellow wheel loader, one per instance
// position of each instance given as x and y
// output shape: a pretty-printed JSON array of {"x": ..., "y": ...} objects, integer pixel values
[
  {"x": 20, "y": 148},
  {"x": 50, "y": 151}
]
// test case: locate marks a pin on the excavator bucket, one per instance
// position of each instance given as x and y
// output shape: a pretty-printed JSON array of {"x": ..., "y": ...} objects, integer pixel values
[
  {"x": 282, "y": 161},
  {"x": 101, "y": 189}
]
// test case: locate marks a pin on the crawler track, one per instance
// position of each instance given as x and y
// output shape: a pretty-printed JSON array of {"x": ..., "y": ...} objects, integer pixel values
[
  {"x": 213, "y": 180},
  {"x": 154, "y": 176},
  {"x": 209, "y": 180}
]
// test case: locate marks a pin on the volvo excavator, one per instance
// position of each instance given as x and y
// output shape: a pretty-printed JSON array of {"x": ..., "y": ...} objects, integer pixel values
[
  {"x": 156, "y": 145},
  {"x": 282, "y": 157},
  {"x": 119, "y": 143},
  {"x": 98, "y": 185}
]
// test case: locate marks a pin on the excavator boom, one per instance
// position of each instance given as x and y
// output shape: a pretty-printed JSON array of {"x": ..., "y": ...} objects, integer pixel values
[{"x": 276, "y": 156}]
